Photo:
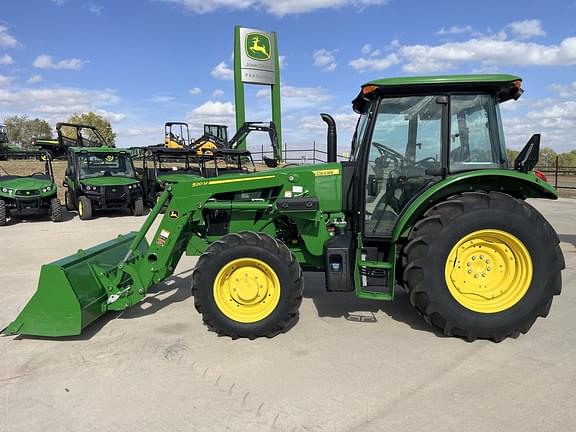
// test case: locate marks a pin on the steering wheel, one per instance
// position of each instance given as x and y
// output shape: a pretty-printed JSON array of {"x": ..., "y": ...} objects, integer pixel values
[
  {"x": 425, "y": 160},
  {"x": 385, "y": 149},
  {"x": 38, "y": 174}
]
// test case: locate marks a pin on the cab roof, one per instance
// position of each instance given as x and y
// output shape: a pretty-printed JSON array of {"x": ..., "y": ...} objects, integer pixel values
[
  {"x": 500, "y": 84},
  {"x": 98, "y": 150}
]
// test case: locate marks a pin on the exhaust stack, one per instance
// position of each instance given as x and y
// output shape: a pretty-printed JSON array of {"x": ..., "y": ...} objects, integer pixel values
[{"x": 331, "y": 144}]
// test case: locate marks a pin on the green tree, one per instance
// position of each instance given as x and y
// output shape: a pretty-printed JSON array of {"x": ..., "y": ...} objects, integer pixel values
[
  {"x": 21, "y": 130},
  {"x": 547, "y": 157},
  {"x": 511, "y": 156},
  {"x": 96, "y": 120}
]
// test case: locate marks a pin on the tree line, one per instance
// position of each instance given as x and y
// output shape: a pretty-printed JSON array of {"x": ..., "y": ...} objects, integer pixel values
[{"x": 22, "y": 129}]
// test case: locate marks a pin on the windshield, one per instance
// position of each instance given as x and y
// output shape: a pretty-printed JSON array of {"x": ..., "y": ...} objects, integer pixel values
[
  {"x": 105, "y": 164},
  {"x": 361, "y": 128}
]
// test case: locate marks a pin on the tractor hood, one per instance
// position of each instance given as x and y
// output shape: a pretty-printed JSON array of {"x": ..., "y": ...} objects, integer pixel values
[
  {"x": 109, "y": 181},
  {"x": 19, "y": 183},
  {"x": 177, "y": 178}
]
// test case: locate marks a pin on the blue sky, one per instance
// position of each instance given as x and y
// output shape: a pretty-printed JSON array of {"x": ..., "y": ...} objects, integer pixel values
[{"x": 141, "y": 63}]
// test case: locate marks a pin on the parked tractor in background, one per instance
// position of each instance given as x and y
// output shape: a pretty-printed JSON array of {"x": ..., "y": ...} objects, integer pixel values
[
  {"x": 101, "y": 178},
  {"x": 34, "y": 192},
  {"x": 69, "y": 135},
  {"x": 426, "y": 201}
]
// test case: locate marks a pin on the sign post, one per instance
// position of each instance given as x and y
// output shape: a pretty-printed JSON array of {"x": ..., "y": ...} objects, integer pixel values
[{"x": 256, "y": 62}]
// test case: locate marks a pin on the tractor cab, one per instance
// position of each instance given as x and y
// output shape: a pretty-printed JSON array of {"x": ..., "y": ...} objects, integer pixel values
[
  {"x": 413, "y": 132},
  {"x": 176, "y": 135},
  {"x": 218, "y": 131}
]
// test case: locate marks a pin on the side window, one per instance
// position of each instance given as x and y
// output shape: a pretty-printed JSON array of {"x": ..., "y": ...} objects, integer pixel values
[{"x": 474, "y": 133}]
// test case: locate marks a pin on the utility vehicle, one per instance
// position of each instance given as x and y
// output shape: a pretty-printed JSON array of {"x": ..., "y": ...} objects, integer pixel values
[
  {"x": 101, "y": 178},
  {"x": 30, "y": 188},
  {"x": 69, "y": 135},
  {"x": 427, "y": 201}
]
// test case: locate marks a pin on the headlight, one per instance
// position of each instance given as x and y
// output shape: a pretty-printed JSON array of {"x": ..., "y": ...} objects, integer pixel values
[
  {"x": 8, "y": 191},
  {"x": 4, "y": 190},
  {"x": 47, "y": 189},
  {"x": 134, "y": 186}
]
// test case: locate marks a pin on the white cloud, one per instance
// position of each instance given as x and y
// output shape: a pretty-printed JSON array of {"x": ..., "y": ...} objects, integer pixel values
[
  {"x": 54, "y": 104},
  {"x": 299, "y": 98},
  {"x": 6, "y": 60},
  {"x": 211, "y": 112},
  {"x": 111, "y": 116},
  {"x": 47, "y": 62},
  {"x": 6, "y": 39},
  {"x": 526, "y": 29},
  {"x": 35, "y": 79},
  {"x": 60, "y": 2},
  {"x": 325, "y": 59},
  {"x": 195, "y": 91},
  {"x": 487, "y": 51},
  {"x": 273, "y": 7},
  {"x": 222, "y": 71},
  {"x": 374, "y": 63},
  {"x": 139, "y": 131},
  {"x": 564, "y": 91},
  {"x": 95, "y": 9},
  {"x": 162, "y": 99},
  {"x": 218, "y": 93},
  {"x": 454, "y": 30},
  {"x": 5, "y": 80}
]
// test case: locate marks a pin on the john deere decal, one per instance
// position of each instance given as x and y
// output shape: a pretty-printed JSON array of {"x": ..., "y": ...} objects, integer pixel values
[{"x": 257, "y": 46}]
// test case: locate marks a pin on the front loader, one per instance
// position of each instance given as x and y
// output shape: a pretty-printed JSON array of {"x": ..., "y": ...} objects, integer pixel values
[{"x": 427, "y": 201}]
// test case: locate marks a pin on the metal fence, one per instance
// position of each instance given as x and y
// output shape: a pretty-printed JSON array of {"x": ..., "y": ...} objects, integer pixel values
[
  {"x": 562, "y": 177},
  {"x": 295, "y": 155}
]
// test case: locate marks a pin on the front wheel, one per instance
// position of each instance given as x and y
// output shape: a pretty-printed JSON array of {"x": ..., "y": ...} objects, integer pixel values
[
  {"x": 3, "y": 213},
  {"x": 55, "y": 210},
  {"x": 68, "y": 201},
  {"x": 248, "y": 285},
  {"x": 138, "y": 208},
  {"x": 483, "y": 265},
  {"x": 84, "y": 208}
]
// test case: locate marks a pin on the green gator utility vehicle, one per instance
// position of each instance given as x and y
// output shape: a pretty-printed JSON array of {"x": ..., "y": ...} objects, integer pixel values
[
  {"x": 100, "y": 178},
  {"x": 426, "y": 201},
  {"x": 32, "y": 192}
]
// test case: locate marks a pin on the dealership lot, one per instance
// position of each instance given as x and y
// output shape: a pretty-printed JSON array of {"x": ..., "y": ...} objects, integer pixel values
[{"x": 348, "y": 364}]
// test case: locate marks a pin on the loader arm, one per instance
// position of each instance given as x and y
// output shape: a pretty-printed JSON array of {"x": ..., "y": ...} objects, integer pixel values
[{"x": 117, "y": 274}]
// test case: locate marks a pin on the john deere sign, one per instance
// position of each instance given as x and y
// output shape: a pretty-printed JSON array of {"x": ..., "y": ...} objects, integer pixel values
[
  {"x": 256, "y": 62},
  {"x": 257, "y": 57}
]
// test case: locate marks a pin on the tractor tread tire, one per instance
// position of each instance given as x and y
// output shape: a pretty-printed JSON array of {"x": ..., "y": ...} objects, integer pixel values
[
  {"x": 3, "y": 213},
  {"x": 426, "y": 239},
  {"x": 287, "y": 269},
  {"x": 86, "y": 208},
  {"x": 55, "y": 210}
]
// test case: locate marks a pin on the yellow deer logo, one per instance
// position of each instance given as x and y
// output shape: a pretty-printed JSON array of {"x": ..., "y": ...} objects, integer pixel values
[{"x": 256, "y": 47}]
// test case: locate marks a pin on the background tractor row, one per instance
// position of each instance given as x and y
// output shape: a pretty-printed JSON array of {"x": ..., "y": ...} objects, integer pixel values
[{"x": 427, "y": 202}]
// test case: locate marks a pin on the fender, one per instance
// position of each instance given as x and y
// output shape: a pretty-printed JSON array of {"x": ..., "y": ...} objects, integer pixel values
[{"x": 514, "y": 183}]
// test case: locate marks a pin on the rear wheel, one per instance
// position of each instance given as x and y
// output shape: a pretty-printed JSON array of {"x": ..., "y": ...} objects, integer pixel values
[
  {"x": 55, "y": 210},
  {"x": 138, "y": 208},
  {"x": 483, "y": 265},
  {"x": 3, "y": 213},
  {"x": 84, "y": 208},
  {"x": 248, "y": 285}
]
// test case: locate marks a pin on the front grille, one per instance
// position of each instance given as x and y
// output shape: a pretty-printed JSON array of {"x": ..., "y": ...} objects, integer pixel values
[
  {"x": 27, "y": 193},
  {"x": 115, "y": 193}
]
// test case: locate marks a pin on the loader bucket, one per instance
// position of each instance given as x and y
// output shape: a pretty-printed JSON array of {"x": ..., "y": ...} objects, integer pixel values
[{"x": 69, "y": 295}]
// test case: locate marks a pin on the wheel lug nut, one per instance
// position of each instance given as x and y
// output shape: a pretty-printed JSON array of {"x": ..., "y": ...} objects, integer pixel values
[
  {"x": 487, "y": 261},
  {"x": 483, "y": 274},
  {"x": 489, "y": 268},
  {"x": 469, "y": 264},
  {"x": 474, "y": 257},
  {"x": 481, "y": 256},
  {"x": 469, "y": 271},
  {"x": 475, "y": 276}
]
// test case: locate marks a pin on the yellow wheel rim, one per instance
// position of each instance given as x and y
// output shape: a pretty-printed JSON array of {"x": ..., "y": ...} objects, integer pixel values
[
  {"x": 80, "y": 208},
  {"x": 488, "y": 271},
  {"x": 246, "y": 290}
]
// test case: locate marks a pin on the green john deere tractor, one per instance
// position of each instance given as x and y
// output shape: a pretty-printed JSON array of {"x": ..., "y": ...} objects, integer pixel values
[
  {"x": 31, "y": 190},
  {"x": 427, "y": 201},
  {"x": 101, "y": 178}
]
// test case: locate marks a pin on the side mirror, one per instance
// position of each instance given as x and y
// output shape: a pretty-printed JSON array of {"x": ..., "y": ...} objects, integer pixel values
[
  {"x": 528, "y": 157},
  {"x": 68, "y": 172}
]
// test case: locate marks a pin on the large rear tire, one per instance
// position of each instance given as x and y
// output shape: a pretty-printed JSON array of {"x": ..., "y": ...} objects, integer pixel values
[
  {"x": 55, "y": 210},
  {"x": 84, "y": 208},
  {"x": 248, "y": 285},
  {"x": 3, "y": 213},
  {"x": 483, "y": 265}
]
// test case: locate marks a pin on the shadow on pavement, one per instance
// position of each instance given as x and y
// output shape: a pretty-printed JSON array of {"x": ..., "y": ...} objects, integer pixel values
[
  {"x": 352, "y": 308},
  {"x": 568, "y": 238}
]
